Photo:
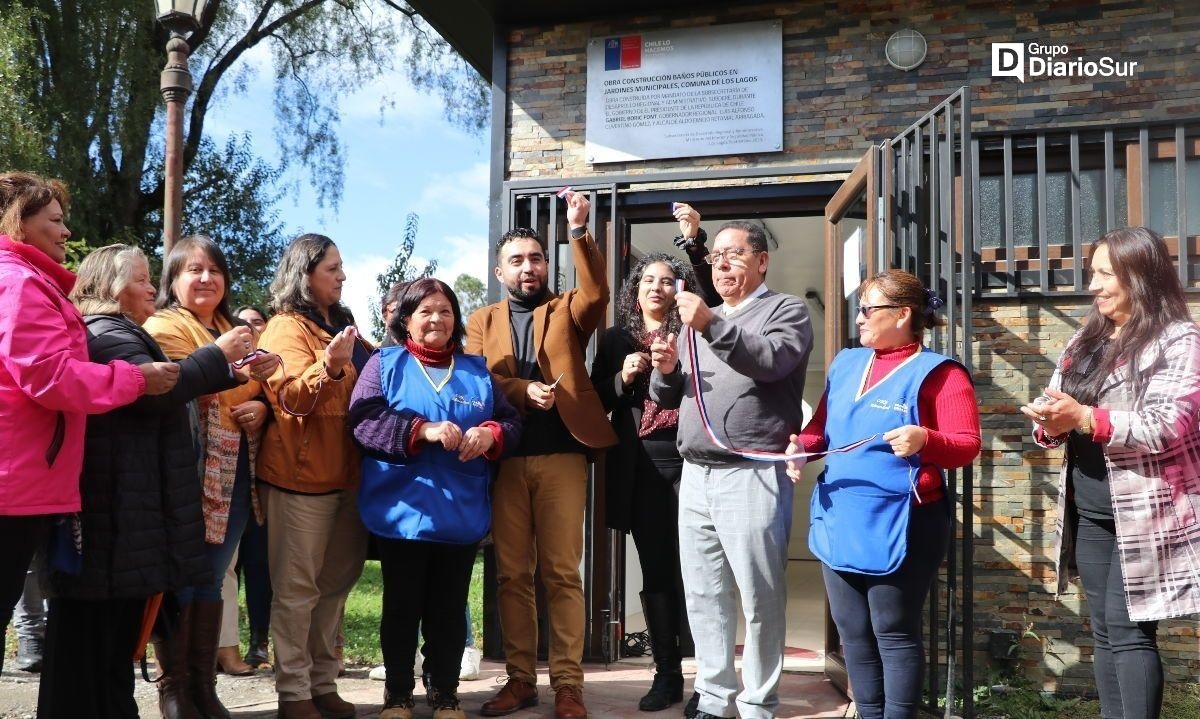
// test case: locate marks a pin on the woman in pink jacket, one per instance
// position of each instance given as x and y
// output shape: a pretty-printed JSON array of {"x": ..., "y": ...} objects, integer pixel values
[{"x": 47, "y": 385}]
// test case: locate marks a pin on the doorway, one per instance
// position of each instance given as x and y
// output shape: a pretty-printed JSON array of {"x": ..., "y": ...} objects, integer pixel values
[{"x": 796, "y": 244}]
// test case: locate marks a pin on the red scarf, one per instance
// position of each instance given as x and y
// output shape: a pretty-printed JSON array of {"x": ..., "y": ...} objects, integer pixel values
[
  {"x": 56, "y": 273},
  {"x": 430, "y": 356}
]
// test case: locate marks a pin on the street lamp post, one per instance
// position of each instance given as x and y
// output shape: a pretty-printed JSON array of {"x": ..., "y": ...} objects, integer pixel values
[{"x": 181, "y": 18}]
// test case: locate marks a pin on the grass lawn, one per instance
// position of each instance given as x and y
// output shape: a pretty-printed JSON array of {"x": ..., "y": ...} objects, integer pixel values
[{"x": 364, "y": 607}]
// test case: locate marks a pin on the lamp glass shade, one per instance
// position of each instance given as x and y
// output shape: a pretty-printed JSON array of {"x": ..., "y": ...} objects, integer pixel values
[{"x": 181, "y": 15}]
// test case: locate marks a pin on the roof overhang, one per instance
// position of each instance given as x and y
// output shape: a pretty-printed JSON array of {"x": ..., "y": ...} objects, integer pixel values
[{"x": 470, "y": 25}]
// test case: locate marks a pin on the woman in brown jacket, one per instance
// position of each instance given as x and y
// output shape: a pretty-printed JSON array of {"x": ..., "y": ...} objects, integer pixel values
[
  {"x": 193, "y": 312},
  {"x": 308, "y": 469}
]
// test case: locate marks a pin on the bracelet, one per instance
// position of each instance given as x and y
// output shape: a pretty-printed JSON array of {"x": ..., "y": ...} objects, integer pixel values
[{"x": 1085, "y": 427}]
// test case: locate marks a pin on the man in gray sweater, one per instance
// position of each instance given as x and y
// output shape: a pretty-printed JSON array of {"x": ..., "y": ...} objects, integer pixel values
[{"x": 735, "y": 514}]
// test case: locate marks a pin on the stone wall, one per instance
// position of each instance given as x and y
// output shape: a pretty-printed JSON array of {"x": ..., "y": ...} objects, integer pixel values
[
  {"x": 1016, "y": 345},
  {"x": 840, "y": 95}
]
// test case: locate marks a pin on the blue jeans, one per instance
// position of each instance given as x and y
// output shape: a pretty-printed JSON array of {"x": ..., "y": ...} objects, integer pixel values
[{"x": 222, "y": 554}]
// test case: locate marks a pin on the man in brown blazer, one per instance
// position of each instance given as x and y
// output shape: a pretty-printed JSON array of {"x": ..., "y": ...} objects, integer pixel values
[{"x": 534, "y": 343}]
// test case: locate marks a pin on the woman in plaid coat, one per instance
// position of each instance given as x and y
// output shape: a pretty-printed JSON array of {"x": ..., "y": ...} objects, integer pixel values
[{"x": 1125, "y": 399}]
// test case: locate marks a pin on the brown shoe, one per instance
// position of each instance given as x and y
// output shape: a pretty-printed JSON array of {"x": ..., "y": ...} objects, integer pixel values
[
  {"x": 299, "y": 709},
  {"x": 229, "y": 661},
  {"x": 514, "y": 695},
  {"x": 568, "y": 702},
  {"x": 333, "y": 706}
]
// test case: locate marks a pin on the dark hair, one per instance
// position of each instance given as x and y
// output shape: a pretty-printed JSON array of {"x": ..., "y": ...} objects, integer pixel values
[
  {"x": 243, "y": 308},
  {"x": 290, "y": 291},
  {"x": 23, "y": 194},
  {"x": 177, "y": 260},
  {"x": 415, "y": 293},
  {"x": 1142, "y": 263},
  {"x": 629, "y": 315},
  {"x": 518, "y": 233},
  {"x": 905, "y": 289},
  {"x": 392, "y": 296},
  {"x": 755, "y": 234}
]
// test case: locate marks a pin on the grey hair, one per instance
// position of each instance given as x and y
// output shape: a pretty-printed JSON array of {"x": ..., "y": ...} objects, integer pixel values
[{"x": 103, "y": 276}]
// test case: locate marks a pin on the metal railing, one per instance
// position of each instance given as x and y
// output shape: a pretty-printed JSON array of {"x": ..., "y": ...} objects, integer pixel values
[
  {"x": 930, "y": 228},
  {"x": 1045, "y": 196}
]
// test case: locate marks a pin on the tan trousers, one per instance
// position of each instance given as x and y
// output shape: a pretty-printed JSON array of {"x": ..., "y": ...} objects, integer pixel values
[
  {"x": 316, "y": 546},
  {"x": 538, "y": 505}
]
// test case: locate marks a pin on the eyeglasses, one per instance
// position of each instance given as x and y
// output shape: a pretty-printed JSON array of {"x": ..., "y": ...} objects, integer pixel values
[
  {"x": 868, "y": 310},
  {"x": 729, "y": 255}
]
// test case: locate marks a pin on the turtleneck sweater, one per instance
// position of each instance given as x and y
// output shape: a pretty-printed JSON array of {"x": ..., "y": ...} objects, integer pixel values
[
  {"x": 439, "y": 359},
  {"x": 948, "y": 412}
]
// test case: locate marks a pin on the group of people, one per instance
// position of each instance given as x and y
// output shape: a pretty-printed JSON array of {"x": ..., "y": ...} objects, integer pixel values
[{"x": 151, "y": 428}]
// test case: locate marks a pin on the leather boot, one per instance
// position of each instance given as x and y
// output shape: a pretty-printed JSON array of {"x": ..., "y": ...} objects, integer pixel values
[
  {"x": 202, "y": 659},
  {"x": 687, "y": 645},
  {"x": 171, "y": 642},
  {"x": 257, "y": 654},
  {"x": 662, "y": 619},
  {"x": 229, "y": 662}
]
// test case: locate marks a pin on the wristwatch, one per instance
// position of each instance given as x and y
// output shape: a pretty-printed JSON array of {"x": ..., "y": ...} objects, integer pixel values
[
  {"x": 1085, "y": 427},
  {"x": 578, "y": 232}
]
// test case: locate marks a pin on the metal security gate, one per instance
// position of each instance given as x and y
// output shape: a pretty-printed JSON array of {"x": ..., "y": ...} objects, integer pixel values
[
  {"x": 908, "y": 205},
  {"x": 929, "y": 186}
]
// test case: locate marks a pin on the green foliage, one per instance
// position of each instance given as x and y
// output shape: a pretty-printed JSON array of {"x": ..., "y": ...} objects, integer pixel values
[
  {"x": 80, "y": 101},
  {"x": 20, "y": 142},
  {"x": 398, "y": 271},
  {"x": 232, "y": 194},
  {"x": 472, "y": 294}
]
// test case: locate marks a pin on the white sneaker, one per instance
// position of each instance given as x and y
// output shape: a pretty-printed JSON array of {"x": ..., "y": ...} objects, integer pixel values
[
  {"x": 469, "y": 670},
  {"x": 379, "y": 673}
]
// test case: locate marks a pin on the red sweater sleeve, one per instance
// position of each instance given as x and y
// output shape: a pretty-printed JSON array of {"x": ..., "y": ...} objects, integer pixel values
[
  {"x": 812, "y": 437},
  {"x": 950, "y": 414}
]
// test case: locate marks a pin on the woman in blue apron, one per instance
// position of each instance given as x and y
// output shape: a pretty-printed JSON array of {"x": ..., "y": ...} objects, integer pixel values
[
  {"x": 431, "y": 421},
  {"x": 879, "y": 517}
]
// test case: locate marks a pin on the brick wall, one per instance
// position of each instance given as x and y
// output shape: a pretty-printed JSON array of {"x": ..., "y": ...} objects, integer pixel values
[
  {"x": 839, "y": 92},
  {"x": 1016, "y": 346}
]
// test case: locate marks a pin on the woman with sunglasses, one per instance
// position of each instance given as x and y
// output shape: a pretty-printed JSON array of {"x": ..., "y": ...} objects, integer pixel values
[{"x": 880, "y": 521}]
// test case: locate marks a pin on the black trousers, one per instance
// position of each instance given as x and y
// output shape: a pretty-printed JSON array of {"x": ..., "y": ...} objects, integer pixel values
[
  {"x": 1128, "y": 669},
  {"x": 20, "y": 537},
  {"x": 87, "y": 665},
  {"x": 879, "y": 620},
  {"x": 425, "y": 584},
  {"x": 654, "y": 523}
]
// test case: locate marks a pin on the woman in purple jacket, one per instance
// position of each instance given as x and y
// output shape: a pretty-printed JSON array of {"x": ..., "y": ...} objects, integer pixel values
[
  {"x": 430, "y": 420},
  {"x": 47, "y": 384}
]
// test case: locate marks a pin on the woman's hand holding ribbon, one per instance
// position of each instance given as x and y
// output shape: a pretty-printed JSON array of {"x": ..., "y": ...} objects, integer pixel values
[
  {"x": 795, "y": 465},
  {"x": 663, "y": 354},
  {"x": 907, "y": 440},
  {"x": 448, "y": 434},
  {"x": 475, "y": 442}
]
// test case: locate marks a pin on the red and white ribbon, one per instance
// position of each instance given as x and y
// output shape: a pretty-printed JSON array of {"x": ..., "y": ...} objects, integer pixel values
[{"x": 757, "y": 455}]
